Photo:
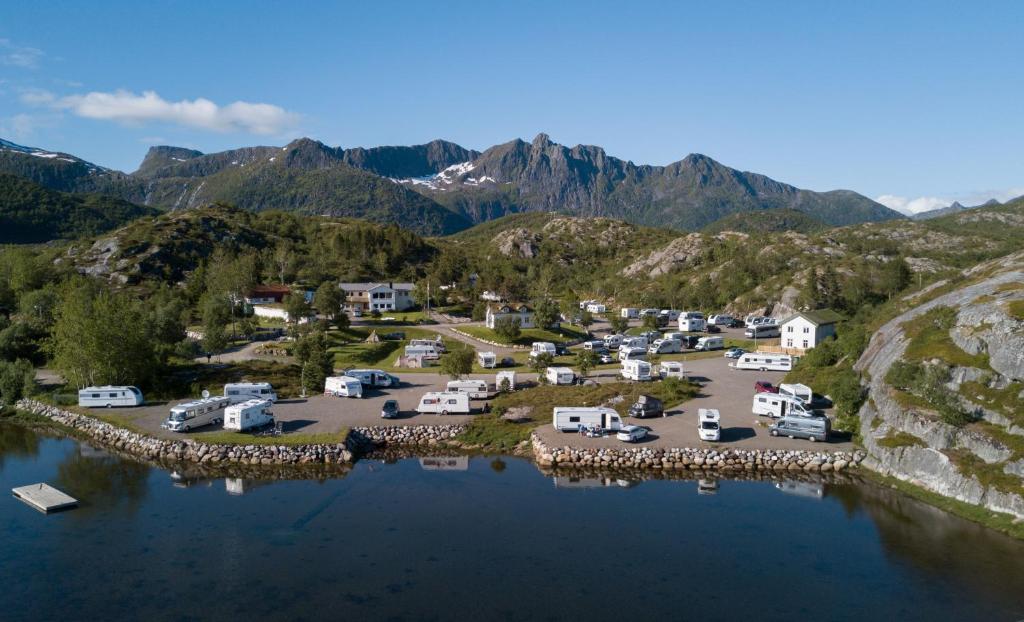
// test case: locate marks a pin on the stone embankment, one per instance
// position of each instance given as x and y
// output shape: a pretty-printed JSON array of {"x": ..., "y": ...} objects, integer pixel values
[
  {"x": 368, "y": 438},
  {"x": 694, "y": 459}
]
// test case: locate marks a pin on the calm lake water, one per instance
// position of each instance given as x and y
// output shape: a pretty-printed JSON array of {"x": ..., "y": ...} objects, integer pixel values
[{"x": 481, "y": 540}]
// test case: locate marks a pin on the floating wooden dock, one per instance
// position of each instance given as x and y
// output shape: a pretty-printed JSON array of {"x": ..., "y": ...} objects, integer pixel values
[{"x": 44, "y": 497}]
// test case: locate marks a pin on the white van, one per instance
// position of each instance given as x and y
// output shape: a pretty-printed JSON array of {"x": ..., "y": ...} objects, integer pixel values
[
  {"x": 776, "y": 405},
  {"x": 343, "y": 386},
  {"x": 572, "y": 418},
  {"x": 630, "y": 313},
  {"x": 671, "y": 369},
  {"x": 542, "y": 347},
  {"x": 243, "y": 391},
  {"x": 632, "y": 354},
  {"x": 437, "y": 344},
  {"x": 109, "y": 396},
  {"x": 762, "y": 331},
  {"x": 487, "y": 360},
  {"x": 427, "y": 353},
  {"x": 254, "y": 413},
  {"x": 196, "y": 414},
  {"x": 612, "y": 342},
  {"x": 373, "y": 377},
  {"x": 503, "y": 376},
  {"x": 665, "y": 346},
  {"x": 637, "y": 370},
  {"x": 444, "y": 403},
  {"x": 800, "y": 391},
  {"x": 476, "y": 389},
  {"x": 559, "y": 375},
  {"x": 709, "y": 424},
  {"x": 762, "y": 361},
  {"x": 710, "y": 343}
]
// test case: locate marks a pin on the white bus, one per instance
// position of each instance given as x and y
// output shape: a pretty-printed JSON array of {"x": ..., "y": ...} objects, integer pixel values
[
  {"x": 191, "y": 415},
  {"x": 476, "y": 389},
  {"x": 254, "y": 413},
  {"x": 343, "y": 386},
  {"x": 109, "y": 396},
  {"x": 572, "y": 418},
  {"x": 444, "y": 403},
  {"x": 242, "y": 391},
  {"x": 762, "y": 361}
]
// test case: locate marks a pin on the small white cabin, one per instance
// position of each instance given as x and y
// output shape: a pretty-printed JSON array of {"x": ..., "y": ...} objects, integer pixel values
[
  {"x": 807, "y": 329},
  {"x": 343, "y": 386},
  {"x": 109, "y": 396},
  {"x": 762, "y": 361},
  {"x": 637, "y": 370},
  {"x": 487, "y": 360},
  {"x": 572, "y": 418},
  {"x": 476, "y": 389},
  {"x": 444, "y": 403},
  {"x": 254, "y": 413},
  {"x": 242, "y": 391},
  {"x": 560, "y": 375}
]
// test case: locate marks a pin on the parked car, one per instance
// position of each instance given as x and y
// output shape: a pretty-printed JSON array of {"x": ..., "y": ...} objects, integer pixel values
[
  {"x": 606, "y": 358},
  {"x": 736, "y": 323},
  {"x": 763, "y": 386},
  {"x": 713, "y": 328},
  {"x": 690, "y": 341},
  {"x": 631, "y": 433},
  {"x": 389, "y": 410},
  {"x": 734, "y": 353},
  {"x": 561, "y": 350},
  {"x": 647, "y": 406}
]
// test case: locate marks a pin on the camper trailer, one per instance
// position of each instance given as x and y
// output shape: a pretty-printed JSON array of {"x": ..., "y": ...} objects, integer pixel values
[
  {"x": 542, "y": 347},
  {"x": 665, "y": 346},
  {"x": 502, "y": 376},
  {"x": 427, "y": 352},
  {"x": 811, "y": 428},
  {"x": 649, "y": 312},
  {"x": 444, "y": 403},
  {"x": 630, "y": 313},
  {"x": 475, "y": 389},
  {"x": 671, "y": 369},
  {"x": 572, "y": 418},
  {"x": 373, "y": 377},
  {"x": 762, "y": 331},
  {"x": 692, "y": 324},
  {"x": 343, "y": 386},
  {"x": 559, "y": 375},
  {"x": 720, "y": 320},
  {"x": 710, "y": 343},
  {"x": 487, "y": 360},
  {"x": 634, "y": 342},
  {"x": 632, "y": 354},
  {"x": 709, "y": 426},
  {"x": 761, "y": 361},
  {"x": 243, "y": 391},
  {"x": 636, "y": 369},
  {"x": 437, "y": 344},
  {"x": 612, "y": 342},
  {"x": 596, "y": 307},
  {"x": 109, "y": 396},
  {"x": 191, "y": 415},
  {"x": 254, "y": 413},
  {"x": 775, "y": 405},
  {"x": 800, "y": 391}
]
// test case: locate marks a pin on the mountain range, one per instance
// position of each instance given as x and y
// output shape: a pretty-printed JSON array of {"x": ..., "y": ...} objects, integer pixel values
[{"x": 440, "y": 187}]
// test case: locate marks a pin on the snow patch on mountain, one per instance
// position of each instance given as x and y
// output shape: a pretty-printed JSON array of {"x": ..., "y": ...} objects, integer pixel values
[{"x": 456, "y": 174}]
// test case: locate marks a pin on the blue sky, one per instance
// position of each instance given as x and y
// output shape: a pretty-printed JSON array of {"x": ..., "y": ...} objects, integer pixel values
[{"x": 920, "y": 101}]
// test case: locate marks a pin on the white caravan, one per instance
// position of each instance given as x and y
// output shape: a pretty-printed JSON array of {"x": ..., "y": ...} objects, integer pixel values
[
  {"x": 762, "y": 331},
  {"x": 444, "y": 403},
  {"x": 242, "y": 391},
  {"x": 720, "y": 320},
  {"x": 665, "y": 346},
  {"x": 800, "y": 391},
  {"x": 637, "y": 370},
  {"x": 542, "y": 347},
  {"x": 475, "y": 389},
  {"x": 572, "y": 418},
  {"x": 437, "y": 344},
  {"x": 559, "y": 375},
  {"x": 692, "y": 324},
  {"x": 630, "y": 313},
  {"x": 487, "y": 360},
  {"x": 762, "y": 361},
  {"x": 343, "y": 386},
  {"x": 254, "y": 413},
  {"x": 671, "y": 369},
  {"x": 109, "y": 396},
  {"x": 192, "y": 415},
  {"x": 649, "y": 312},
  {"x": 373, "y": 377},
  {"x": 596, "y": 307},
  {"x": 634, "y": 342},
  {"x": 427, "y": 353},
  {"x": 776, "y": 405},
  {"x": 632, "y": 354},
  {"x": 612, "y": 342},
  {"x": 710, "y": 343},
  {"x": 709, "y": 424},
  {"x": 502, "y": 376},
  {"x": 754, "y": 320}
]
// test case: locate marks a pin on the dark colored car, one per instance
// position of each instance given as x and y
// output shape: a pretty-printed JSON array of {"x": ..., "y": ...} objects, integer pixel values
[
  {"x": 763, "y": 386},
  {"x": 561, "y": 350},
  {"x": 647, "y": 406},
  {"x": 389, "y": 410},
  {"x": 690, "y": 341},
  {"x": 713, "y": 328},
  {"x": 736, "y": 323}
]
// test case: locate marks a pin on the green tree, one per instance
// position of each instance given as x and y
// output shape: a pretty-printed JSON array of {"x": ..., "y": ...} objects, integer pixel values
[
  {"x": 539, "y": 364},
  {"x": 17, "y": 380},
  {"x": 457, "y": 363},
  {"x": 479, "y": 312},
  {"x": 586, "y": 320},
  {"x": 507, "y": 328},
  {"x": 618, "y": 323},
  {"x": 296, "y": 307},
  {"x": 311, "y": 352},
  {"x": 585, "y": 361},
  {"x": 216, "y": 316},
  {"x": 328, "y": 300},
  {"x": 546, "y": 313},
  {"x": 650, "y": 322}
]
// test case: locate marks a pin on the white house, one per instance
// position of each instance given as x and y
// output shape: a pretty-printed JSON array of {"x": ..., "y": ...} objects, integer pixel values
[
  {"x": 807, "y": 329},
  {"x": 378, "y": 296},
  {"x": 519, "y": 311}
]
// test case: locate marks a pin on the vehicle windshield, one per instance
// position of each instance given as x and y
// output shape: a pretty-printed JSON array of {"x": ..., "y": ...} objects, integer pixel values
[
  {"x": 177, "y": 415},
  {"x": 709, "y": 425}
]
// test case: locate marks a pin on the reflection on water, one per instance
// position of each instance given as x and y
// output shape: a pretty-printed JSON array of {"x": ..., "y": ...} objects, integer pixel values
[{"x": 493, "y": 538}]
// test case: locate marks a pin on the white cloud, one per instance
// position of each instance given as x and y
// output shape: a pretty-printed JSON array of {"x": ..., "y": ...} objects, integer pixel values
[
  {"x": 36, "y": 97},
  {"x": 19, "y": 56},
  {"x": 912, "y": 206},
  {"x": 132, "y": 109},
  {"x": 22, "y": 126}
]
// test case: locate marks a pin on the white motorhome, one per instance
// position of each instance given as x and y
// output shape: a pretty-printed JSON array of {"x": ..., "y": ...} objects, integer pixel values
[
  {"x": 243, "y": 391},
  {"x": 665, "y": 346},
  {"x": 502, "y": 376},
  {"x": 753, "y": 320},
  {"x": 596, "y": 307},
  {"x": 649, "y": 312},
  {"x": 692, "y": 324},
  {"x": 762, "y": 361},
  {"x": 710, "y": 343},
  {"x": 776, "y": 405},
  {"x": 437, "y": 344},
  {"x": 671, "y": 369},
  {"x": 630, "y": 313},
  {"x": 475, "y": 389},
  {"x": 632, "y": 354},
  {"x": 343, "y": 386},
  {"x": 487, "y": 360},
  {"x": 762, "y": 331},
  {"x": 720, "y": 320},
  {"x": 444, "y": 403},
  {"x": 634, "y": 342},
  {"x": 670, "y": 314},
  {"x": 612, "y": 342},
  {"x": 559, "y": 375},
  {"x": 373, "y": 377},
  {"x": 709, "y": 424},
  {"x": 800, "y": 391},
  {"x": 542, "y": 347},
  {"x": 196, "y": 414},
  {"x": 109, "y": 396},
  {"x": 572, "y": 418},
  {"x": 254, "y": 413},
  {"x": 427, "y": 353},
  {"x": 637, "y": 370}
]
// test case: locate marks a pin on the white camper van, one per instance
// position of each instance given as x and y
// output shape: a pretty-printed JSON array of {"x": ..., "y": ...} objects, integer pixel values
[
  {"x": 373, "y": 377},
  {"x": 632, "y": 354},
  {"x": 671, "y": 369},
  {"x": 109, "y": 396},
  {"x": 427, "y": 353},
  {"x": 192, "y": 415},
  {"x": 630, "y": 313},
  {"x": 560, "y": 375},
  {"x": 254, "y": 413},
  {"x": 634, "y": 342},
  {"x": 444, "y": 403},
  {"x": 572, "y": 418},
  {"x": 709, "y": 424},
  {"x": 612, "y": 342},
  {"x": 776, "y": 405},
  {"x": 710, "y": 343},
  {"x": 762, "y": 361},
  {"x": 799, "y": 391},
  {"x": 487, "y": 360},
  {"x": 637, "y": 370},
  {"x": 475, "y": 389},
  {"x": 542, "y": 347},
  {"x": 503, "y": 376},
  {"x": 243, "y": 391},
  {"x": 343, "y": 386},
  {"x": 665, "y": 346}
]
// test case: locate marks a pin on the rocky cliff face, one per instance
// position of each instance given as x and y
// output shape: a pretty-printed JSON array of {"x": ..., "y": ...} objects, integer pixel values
[{"x": 980, "y": 463}]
